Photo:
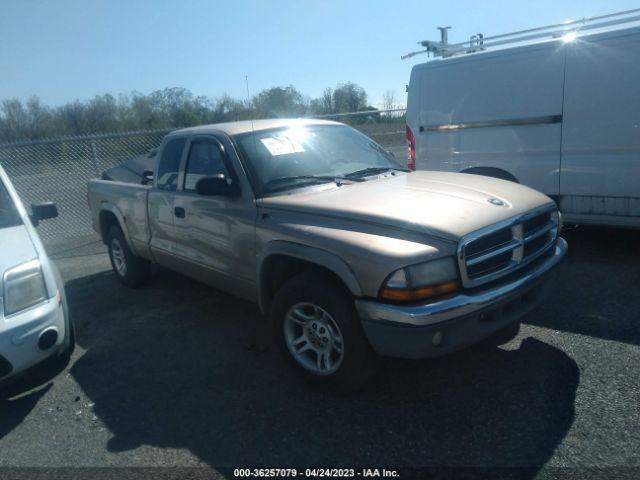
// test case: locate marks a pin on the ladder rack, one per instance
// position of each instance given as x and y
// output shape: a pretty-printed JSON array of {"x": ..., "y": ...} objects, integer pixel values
[{"x": 566, "y": 30}]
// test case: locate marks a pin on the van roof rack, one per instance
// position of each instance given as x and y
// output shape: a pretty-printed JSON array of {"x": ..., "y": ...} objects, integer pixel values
[{"x": 566, "y": 29}]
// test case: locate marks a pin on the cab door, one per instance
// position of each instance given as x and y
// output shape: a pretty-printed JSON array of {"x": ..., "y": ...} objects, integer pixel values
[
  {"x": 215, "y": 234},
  {"x": 161, "y": 199}
]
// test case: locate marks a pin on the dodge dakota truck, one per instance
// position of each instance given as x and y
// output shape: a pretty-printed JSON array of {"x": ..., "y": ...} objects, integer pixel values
[{"x": 349, "y": 254}]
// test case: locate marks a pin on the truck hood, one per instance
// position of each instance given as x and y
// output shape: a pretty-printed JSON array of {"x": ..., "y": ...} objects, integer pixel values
[
  {"x": 447, "y": 205},
  {"x": 17, "y": 248}
]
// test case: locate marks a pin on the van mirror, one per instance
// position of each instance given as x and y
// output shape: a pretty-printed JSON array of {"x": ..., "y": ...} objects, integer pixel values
[
  {"x": 43, "y": 211},
  {"x": 217, "y": 185}
]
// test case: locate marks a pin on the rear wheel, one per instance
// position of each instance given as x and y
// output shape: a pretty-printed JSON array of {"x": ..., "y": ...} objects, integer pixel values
[
  {"x": 318, "y": 331},
  {"x": 132, "y": 271}
]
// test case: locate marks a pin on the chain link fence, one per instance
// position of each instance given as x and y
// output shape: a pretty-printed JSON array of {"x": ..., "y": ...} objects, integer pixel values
[{"x": 58, "y": 170}]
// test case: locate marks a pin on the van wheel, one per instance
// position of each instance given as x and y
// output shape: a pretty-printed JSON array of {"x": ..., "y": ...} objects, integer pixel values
[
  {"x": 132, "y": 271},
  {"x": 319, "y": 333}
]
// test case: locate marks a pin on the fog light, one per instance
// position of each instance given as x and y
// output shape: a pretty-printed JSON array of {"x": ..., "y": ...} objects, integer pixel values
[
  {"x": 48, "y": 339},
  {"x": 437, "y": 338}
]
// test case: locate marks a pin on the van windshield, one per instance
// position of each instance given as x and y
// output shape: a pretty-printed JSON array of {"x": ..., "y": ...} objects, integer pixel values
[
  {"x": 8, "y": 214},
  {"x": 298, "y": 156}
]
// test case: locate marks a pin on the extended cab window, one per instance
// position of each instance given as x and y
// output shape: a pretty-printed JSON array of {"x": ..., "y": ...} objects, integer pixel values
[
  {"x": 205, "y": 159},
  {"x": 169, "y": 165}
]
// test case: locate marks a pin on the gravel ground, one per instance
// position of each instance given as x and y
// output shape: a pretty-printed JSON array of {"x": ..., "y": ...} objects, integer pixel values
[{"x": 178, "y": 374}]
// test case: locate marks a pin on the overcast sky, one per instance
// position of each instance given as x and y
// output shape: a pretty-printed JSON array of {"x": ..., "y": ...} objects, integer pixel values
[{"x": 64, "y": 50}]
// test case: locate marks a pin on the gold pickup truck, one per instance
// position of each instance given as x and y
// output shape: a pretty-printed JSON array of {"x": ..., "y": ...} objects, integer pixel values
[{"x": 350, "y": 255}]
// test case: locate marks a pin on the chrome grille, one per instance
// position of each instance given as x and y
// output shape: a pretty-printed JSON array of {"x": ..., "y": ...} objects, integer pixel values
[{"x": 501, "y": 249}]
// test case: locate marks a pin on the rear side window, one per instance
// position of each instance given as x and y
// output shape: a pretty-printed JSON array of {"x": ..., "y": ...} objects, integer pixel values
[
  {"x": 205, "y": 159},
  {"x": 169, "y": 165}
]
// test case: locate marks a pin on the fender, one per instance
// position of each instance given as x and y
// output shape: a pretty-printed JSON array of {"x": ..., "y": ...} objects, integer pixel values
[
  {"x": 109, "y": 207},
  {"x": 315, "y": 255}
]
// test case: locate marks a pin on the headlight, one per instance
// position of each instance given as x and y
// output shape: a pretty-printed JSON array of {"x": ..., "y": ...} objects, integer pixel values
[
  {"x": 424, "y": 280},
  {"x": 23, "y": 287}
]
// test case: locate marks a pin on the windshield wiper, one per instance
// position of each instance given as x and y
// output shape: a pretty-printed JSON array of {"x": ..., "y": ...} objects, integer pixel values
[
  {"x": 313, "y": 178},
  {"x": 373, "y": 171}
]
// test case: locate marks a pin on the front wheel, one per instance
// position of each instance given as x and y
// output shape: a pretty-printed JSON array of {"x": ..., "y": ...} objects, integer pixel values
[
  {"x": 319, "y": 333},
  {"x": 132, "y": 271}
]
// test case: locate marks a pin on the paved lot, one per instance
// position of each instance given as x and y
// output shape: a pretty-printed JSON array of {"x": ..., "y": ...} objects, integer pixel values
[{"x": 176, "y": 373}]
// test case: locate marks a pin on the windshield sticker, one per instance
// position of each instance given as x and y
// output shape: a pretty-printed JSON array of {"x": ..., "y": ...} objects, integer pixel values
[{"x": 281, "y": 146}]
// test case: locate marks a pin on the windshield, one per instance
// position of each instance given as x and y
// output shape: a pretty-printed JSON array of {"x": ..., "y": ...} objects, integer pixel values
[
  {"x": 8, "y": 215},
  {"x": 294, "y": 157}
]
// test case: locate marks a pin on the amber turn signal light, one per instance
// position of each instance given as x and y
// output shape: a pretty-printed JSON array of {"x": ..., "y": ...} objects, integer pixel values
[{"x": 412, "y": 295}]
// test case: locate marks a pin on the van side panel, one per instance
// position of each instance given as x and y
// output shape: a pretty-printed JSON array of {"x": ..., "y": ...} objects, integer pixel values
[
  {"x": 498, "y": 109},
  {"x": 601, "y": 133}
]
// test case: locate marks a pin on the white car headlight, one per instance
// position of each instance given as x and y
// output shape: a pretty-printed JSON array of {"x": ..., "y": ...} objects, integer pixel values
[
  {"x": 24, "y": 287},
  {"x": 424, "y": 280}
]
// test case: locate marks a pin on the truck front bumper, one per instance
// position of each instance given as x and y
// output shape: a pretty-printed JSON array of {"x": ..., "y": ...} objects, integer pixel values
[{"x": 445, "y": 326}]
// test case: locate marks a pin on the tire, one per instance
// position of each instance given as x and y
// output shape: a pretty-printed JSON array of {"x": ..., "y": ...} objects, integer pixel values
[
  {"x": 315, "y": 315},
  {"x": 130, "y": 270}
]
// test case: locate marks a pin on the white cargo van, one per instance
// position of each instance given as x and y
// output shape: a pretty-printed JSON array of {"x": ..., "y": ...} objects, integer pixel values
[{"x": 561, "y": 116}]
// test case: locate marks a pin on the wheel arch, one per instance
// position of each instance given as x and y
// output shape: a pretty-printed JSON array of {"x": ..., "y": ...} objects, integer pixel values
[
  {"x": 109, "y": 216},
  {"x": 282, "y": 260}
]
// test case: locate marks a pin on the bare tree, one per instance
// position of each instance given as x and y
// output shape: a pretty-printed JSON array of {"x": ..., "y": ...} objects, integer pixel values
[
  {"x": 389, "y": 100},
  {"x": 169, "y": 107}
]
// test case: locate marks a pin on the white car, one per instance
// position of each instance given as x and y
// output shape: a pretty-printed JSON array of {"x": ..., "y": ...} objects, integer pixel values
[{"x": 34, "y": 320}]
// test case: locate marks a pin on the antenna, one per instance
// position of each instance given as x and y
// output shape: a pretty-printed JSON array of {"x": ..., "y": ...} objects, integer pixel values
[
  {"x": 253, "y": 132},
  {"x": 246, "y": 81}
]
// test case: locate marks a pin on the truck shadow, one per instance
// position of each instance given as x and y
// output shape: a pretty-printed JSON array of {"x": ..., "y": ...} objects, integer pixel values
[
  {"x": 177, "y": 364},
  {"x": 14, "y": 410},
  {"x": 595, "y": 291}
]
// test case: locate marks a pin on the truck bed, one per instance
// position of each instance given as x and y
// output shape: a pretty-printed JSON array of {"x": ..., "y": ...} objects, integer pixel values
[{"x": 126, "y": 201}]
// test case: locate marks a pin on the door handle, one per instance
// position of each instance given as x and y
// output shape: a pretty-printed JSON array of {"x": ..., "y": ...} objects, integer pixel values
[{"x": 179, "y": 212}]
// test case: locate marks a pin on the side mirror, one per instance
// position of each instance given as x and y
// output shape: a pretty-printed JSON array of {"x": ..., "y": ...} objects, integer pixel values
[
  {"x": 43, "y": 211},
  {"x": 217, "y": 185},
  {"x": 147, "y": 177}
]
